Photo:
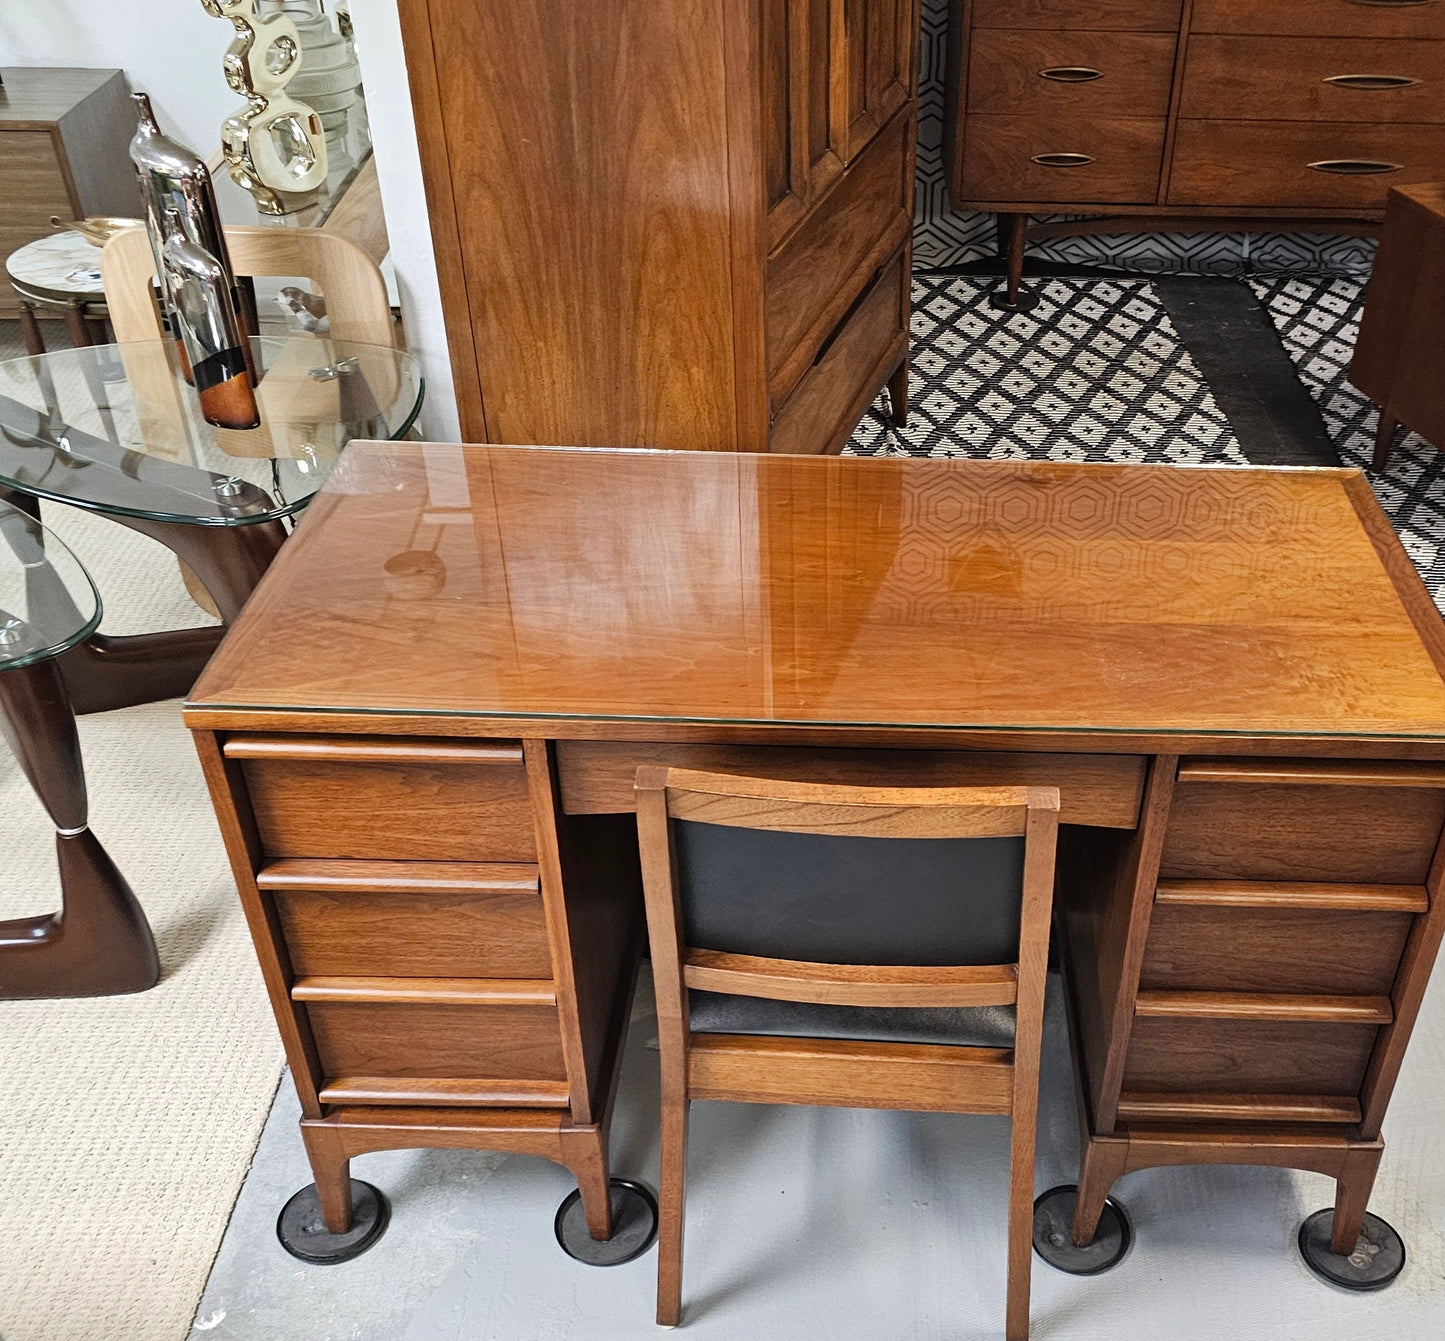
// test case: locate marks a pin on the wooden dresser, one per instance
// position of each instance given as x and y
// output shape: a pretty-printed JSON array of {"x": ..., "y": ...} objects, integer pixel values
[
  {"x": 669, "y": 223},
  {"x": 1291, "y": 113},
  {"x": 64, "y": 150}
]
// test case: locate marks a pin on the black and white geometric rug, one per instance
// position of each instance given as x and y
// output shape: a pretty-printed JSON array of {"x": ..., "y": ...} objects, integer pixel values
[{"x": 1095, "y": 372}]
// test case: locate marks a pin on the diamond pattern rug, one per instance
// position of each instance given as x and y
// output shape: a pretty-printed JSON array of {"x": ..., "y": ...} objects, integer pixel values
[
  {"x": 1318, "y": 318},
  {"x": 1095, "y": 372}
]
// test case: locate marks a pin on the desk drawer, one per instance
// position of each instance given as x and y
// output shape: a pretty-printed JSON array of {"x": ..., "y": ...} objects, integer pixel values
[
  {"x": 1140, "y": 16},
  {"x": 1286, "y": 831},
  {"x": 386, "y": 1040},
  {"x": 829, "y": 258},
  {"x": 1108, "y": 160},
  {"x": 387, "y": 797},
  {"x": 1305, "y": 951},
  {"x": 1263, "y": 163},
  {"x": 1265, "y": 1057},
  {"x": 1321, "y": 18},
  {"x": 1070, "y": 73},
  {"x": 410, "y": 919},
  {"x": 821, "y": 407},
  {"x": 1295, "y": 79}
]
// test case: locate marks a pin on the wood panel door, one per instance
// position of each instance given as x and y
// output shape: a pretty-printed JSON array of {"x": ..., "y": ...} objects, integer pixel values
[
  {"x": 876, "y": 75},
  {"x": 803, "y": 129}
]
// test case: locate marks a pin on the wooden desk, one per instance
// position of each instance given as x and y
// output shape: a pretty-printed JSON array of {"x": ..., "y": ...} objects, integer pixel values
[{"x": 420, "y": 737}]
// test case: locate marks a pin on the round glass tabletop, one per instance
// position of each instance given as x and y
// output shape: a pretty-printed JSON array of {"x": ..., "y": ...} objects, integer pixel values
[
  {"x": 47, "y": 601},
  {"x": 117, "y": 428}
]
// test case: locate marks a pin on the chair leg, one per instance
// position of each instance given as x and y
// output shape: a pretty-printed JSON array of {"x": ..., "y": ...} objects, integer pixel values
[
  {"x": 1384, "y": 438},
  {"x": 671, "y": 1201},
  {"x": 1020, "y": 1226}
]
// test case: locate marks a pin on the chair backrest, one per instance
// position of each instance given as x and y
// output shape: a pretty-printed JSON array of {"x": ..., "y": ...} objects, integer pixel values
[
  {"x": 356, "y": 304},
  {"x": 843, "y": 895}
]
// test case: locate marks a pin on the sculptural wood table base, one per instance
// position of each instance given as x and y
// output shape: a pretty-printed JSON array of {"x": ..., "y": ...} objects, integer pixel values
[{"x": 99, "y": 943}]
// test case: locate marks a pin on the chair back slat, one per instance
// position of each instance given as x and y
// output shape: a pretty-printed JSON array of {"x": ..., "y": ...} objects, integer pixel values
[{"x": 850, "y": 984}]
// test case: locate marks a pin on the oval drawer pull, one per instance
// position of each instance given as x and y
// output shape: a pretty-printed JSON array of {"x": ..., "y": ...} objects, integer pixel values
[
  {"x": 1071, "y": 74},
  {"x": 1354, "y": 167},
  {"x": 1062, "y": 160},
  {"x": 1371, "y": 82}
]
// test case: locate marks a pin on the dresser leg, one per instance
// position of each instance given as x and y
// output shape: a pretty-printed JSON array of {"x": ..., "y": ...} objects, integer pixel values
[
  {"x": 1101, "y": 1167},
  {"x": 1011, "y": 299},
  {"x": 1384, "y": 438},
  {"x": 898, "y": 393}
]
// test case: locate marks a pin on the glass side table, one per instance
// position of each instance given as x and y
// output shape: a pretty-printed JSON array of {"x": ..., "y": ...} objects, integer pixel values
[
  {"x": 116, "y": 429},
  {"x": 99, "y": 943}
]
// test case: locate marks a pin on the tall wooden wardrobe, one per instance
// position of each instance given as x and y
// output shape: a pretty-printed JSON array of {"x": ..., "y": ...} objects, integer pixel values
[{"x": 669, "y": 223}]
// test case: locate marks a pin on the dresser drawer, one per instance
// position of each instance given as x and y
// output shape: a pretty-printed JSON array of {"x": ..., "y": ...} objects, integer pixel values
[
  {"x": 385, "y": 1040},
  {"x": 1298, "y": 79},
  {"x": 1321, "y": 18},
  {"x": 1140, "y": 16},
  {"x": 391, "y": 797},
  {"x": 1107, "y": 160},
  {"x": 1267, "y": 163},
  {"x": 1054, "y": 73},
  {"x": 824, "y": 404},
  {"x": 34, "y": 186},
  {"x": 1308, "y": 951},
  {"x": 819, "y": 270},
  {"x": 1271, "y": 831},
  {"x": 1193, "y": 1056},
  {"x": 410, "y": 919}
]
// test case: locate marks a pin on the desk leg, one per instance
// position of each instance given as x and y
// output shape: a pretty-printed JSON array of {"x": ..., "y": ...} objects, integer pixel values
[{"x": 99, "y": 943}]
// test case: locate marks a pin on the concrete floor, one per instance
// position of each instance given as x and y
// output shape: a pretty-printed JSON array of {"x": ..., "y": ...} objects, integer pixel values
[{"x": 826, "y": 1224}]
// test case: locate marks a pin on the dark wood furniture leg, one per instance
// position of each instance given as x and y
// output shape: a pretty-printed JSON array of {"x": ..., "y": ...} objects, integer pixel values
[
  {"x": 30, "y": 329},
  {"x": 99, "y": 943},
  {"x": 1384, "y": 438},
  {"x": 898, "y": 394},
  {"x": 1015, "y": 226},
  {"x": 75, "y": 323}
]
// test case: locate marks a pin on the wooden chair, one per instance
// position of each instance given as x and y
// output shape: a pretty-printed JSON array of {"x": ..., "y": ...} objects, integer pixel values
[
  {"x": 798, "y": 958},
  {"x": 356, "y": 303}
]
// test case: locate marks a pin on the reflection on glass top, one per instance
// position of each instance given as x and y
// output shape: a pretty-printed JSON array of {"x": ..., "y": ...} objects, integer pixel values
[
  {"x": 47, "y": 600},
  {"x": 116, "y": 428},
  {"x": 711, "y": 587}
]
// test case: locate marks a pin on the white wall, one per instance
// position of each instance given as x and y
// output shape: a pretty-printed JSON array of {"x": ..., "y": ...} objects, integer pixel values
[
  {"x": 172, "y": 50},
  {"x": 398, "y": 170}
]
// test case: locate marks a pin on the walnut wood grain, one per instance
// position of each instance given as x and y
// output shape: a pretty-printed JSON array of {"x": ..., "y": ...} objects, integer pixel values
[
  {"x": 1132, "y": 73},
  {"x": 850, "y": 984},
  {"x": 426, "y": 991},
  {"x": 1346, "y": 18},
  {"x": 1319, "y": 772},
  {"x": 294, "y": 874},
  {"x": 1246, "y": 947},
  {"x": 1220, "y": 1005},
  {"x": 1141, "y": 1107},
  {"x": 382, "y": 750},
  {"x": 1293, "y": 895},
  {"x": 1119, "y": 158},
  {"x": 1129, "y": 15},
  {"x": 468, "y": 1092},
  {"x": 598, "y": 777},
  {"x": 1258, "y": 78}
]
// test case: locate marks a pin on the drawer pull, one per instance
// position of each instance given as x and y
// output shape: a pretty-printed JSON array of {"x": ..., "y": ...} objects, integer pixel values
[
  {"x": 1371, "y": 83},
  {"x": 1354, "y": 167},
  {"x": 1062, "y": 160},
  {"x": 1071, "y": 74}
]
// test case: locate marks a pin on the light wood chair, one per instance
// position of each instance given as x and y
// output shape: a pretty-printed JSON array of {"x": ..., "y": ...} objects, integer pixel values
[
  {"x": 799, "y": 959},
  {"x": 356, "y": 303}
]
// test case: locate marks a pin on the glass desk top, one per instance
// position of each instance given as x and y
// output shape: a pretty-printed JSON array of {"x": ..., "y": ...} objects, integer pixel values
[
  {"x": 117, "y": 429},
  {"x": 665, "y": 588},
  {"x": 48, "y": 603}
]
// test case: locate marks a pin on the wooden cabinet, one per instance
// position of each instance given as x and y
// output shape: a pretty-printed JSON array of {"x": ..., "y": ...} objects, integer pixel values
[
  {"x": 64, "y": 151},
  {"x": 1288, "y": 112},
  {"x": 654, "y": 221}
]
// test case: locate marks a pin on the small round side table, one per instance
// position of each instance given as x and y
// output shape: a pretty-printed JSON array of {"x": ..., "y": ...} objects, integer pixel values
[{"x": 61, "y": 273}]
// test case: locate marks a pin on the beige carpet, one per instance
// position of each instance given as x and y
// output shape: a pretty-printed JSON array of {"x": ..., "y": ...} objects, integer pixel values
[{"x": 127, "y": 1123}]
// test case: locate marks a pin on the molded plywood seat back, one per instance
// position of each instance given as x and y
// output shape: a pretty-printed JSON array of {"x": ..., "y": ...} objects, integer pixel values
[{"x": 847, "y": 898}]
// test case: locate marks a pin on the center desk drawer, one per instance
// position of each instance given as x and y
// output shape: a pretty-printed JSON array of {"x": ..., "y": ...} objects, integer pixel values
[
  {"x": 410, "y": 919},
  {"x": 387, "y": 797},
  {"x": 1270, "y": 821}
]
